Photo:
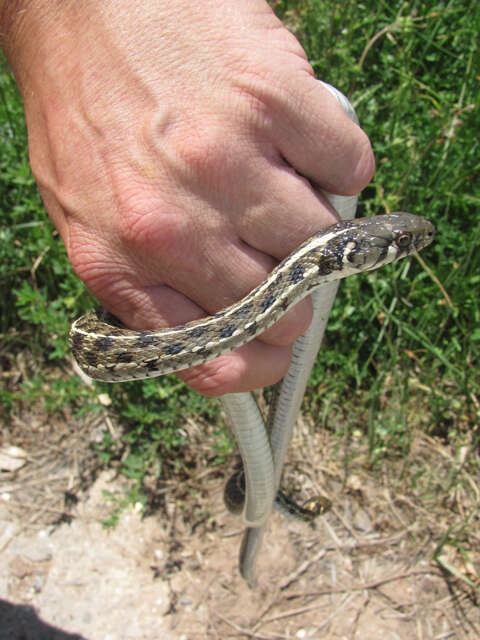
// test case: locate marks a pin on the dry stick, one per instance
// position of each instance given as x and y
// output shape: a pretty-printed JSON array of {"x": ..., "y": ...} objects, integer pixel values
[
  {"x": 32, "y": 483},
  {"x": 360, "y": 610},
  {"x": 386, "y": 30},
  {"x": 294, "y": 575},
  {"x": 62, "y": 512},
  {"x": 375, "y": 542},
  {"x": 371, "y": 42},
  {"x": 452, "y": 461},
  {"x": 370, "y": 585},
  {"x": 346, "y": 524},
  {"x": 303, "y": 567},
  {"x": 337, "y": 547},
  {"x": 37, "y": 262},
  {"x": 349, "y": 547},
  {"x": 296, "y": 612},
  {"x": 341, "y": 606},
  {"x": 369, "y": 543}
]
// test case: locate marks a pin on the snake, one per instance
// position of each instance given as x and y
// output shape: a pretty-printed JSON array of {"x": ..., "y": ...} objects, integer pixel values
[{"x": 106, "y": 350}]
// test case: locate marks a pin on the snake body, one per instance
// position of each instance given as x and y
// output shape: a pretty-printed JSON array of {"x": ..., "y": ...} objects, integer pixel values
[
  {"x": 234, "y": 498},
  {"x": 107, "y": 351},
  {"x": 112, "y": 353}
]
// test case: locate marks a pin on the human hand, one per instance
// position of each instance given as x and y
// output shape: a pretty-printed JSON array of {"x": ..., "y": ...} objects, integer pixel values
[{"x": 181, "y": 151}]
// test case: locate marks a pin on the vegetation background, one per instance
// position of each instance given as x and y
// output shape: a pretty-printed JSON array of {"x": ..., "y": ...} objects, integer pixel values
[{"x": 401, "y": 353}]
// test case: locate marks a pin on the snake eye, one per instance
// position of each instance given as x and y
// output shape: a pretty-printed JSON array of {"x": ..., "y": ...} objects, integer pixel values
[{"x": 403, "y": 240}]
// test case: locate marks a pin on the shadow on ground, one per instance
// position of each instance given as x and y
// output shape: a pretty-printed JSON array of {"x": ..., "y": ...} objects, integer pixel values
[{"x": 20, "y": 622}]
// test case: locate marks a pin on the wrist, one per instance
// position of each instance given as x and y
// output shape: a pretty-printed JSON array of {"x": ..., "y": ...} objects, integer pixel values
[{"x": 21, "y": 23}]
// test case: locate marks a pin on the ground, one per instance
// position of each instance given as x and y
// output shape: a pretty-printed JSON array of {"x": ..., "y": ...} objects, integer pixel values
[{"x": 364, "y": 570}]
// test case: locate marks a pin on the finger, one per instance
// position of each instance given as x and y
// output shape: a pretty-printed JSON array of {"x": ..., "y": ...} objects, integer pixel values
[
  {"x": 296, "y": 210},
  {"x": 253, "y": 366},
  {"x": 319, "y": 140}
]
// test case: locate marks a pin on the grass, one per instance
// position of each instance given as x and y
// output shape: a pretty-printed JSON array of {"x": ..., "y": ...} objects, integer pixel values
[
  {"x": 412, "y": 72},
  {"x": 402, "y": 347}
]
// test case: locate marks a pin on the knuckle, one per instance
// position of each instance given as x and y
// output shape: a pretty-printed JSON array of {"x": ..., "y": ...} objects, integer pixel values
[
  {"x": 146, "y": 225},
  {"x": 194, "y": 150},
  {"x": 201, "y": 152}
]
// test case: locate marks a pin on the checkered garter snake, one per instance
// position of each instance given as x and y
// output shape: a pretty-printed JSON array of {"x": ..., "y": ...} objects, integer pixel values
[
  {"x": 112, "y": 353},
  {"x": 107, "y": 351}
]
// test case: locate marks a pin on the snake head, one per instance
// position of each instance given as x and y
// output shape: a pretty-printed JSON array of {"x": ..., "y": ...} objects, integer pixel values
[{"x": 383, "y": 239}]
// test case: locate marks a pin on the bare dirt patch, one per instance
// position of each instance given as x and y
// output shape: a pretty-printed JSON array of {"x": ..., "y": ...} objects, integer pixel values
[{"x": 365, "y": 570}]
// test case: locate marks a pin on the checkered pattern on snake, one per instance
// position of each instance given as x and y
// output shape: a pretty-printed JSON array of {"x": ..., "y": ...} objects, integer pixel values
[{"x": 105, "y": 350}]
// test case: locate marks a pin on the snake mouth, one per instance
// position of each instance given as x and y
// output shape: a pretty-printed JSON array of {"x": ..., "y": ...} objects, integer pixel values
[{"x": 427, "y": 237}]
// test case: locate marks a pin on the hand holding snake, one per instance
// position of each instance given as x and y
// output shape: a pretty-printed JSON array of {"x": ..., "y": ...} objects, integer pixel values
[{"x": 109, "y": 352}]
